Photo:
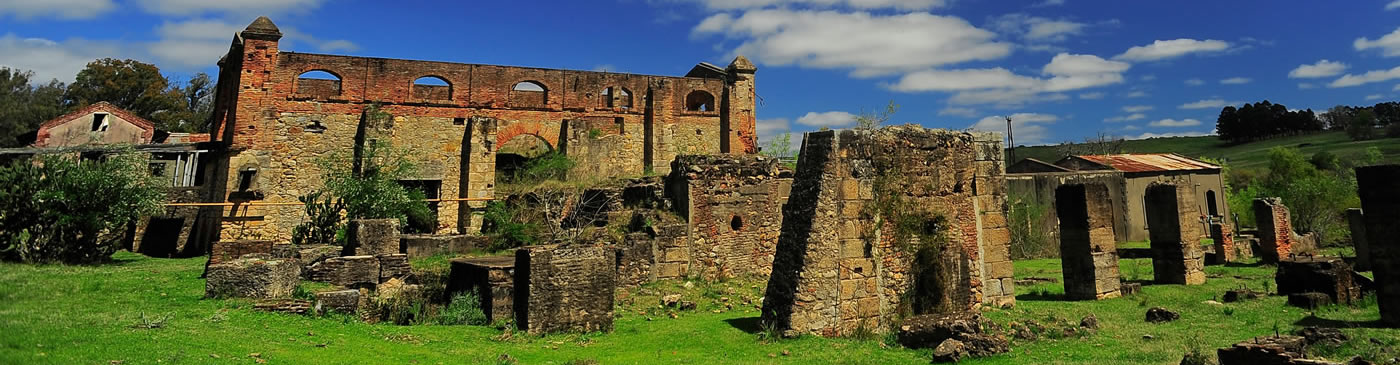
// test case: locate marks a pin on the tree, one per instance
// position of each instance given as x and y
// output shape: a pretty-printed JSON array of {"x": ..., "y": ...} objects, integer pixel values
[
  {"x": 1264, "y": 120},
  {"x": 780, "y": 146},
  {"x": 1336, "y": 118},
  {"x": 195, "y": 105},
  {"x": 1362, "y": 126},
  {"x": 128, "y": 84},
  {"x": 23, "y": 106},
  {"x": 872, "y": 119},
  {"x": 1103, "y": 144},
  {"x": 1387, "y": 113}
]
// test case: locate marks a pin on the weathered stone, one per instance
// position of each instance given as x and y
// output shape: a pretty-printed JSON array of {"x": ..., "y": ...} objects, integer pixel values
[
  {"x": 289, "y": 306},
  {"x": 1266, "y": 350},
  {"x": 253, "y": 278},
  {"x": 1356, "y": 220},
  {"x": 491, "y": 279},
  {"x": 564, "y": 288},
  {"x": 1089, "y": 322},
  {"x": 949, "y": 351},
  {"x": 350, "y": 271},
  {"x": 1237, "y": 295},
  {"x": 285, "y": 251},
  {"x": 1323, "y": 335},
  {"x": 1175, "y": 235},
  {"x": 925, "y": 331},
  {"x": 1088, "y": 252},
  {"x": 1224, "y": 243},
  {"x": 1327, "y": 275},
  {"x": 393, "y": 266},
  {"x": 371, "y": 237},
  {"x": 224, "y": 251},
  {"x": 1159, "y": 315},
  {"x": 424, "y": 245},
  {"x": 1275, "y": 230},
  {"x": 1130, "y": 289},
  {"x": 344, "y": 301},
  {"x": 1309, "y": 300},
  {"x": 1379, "y": 187},
  {"x": 734, "y": 205}
]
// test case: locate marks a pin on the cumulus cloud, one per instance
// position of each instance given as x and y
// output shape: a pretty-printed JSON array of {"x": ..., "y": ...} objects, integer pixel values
[
  {"x": 241, "y": 7},
  {"x": 1323, "y": 68},
  {"x": 857, "y": 4},
  {"x": 1195, "y": 82},
  {"x": 50, "y": 59},
  {"x": 1389, "y": 44},
  {"x": 1397, "y": 88},
  {"x": 1393, "y": 5},
  {"x": 869, "y": 44},
  {"x": 1374, "y": 97},
  {"x": 64, "y": 9},
  {"x": 1065, "y": 72},
  {"x": 958, "y": 111},
  {"x": 769, "y": 128},
  {"x": 1350, "y": 80},
  {"x": 1306, "y": 85},
  {"x": 1175, "y": 123},
  {"x": 1171, "y": 134},
  {"x": 1162, "y": 50},
  {"x": 1126, "y": 118},
  {"x": 1092, "y": 96},
  {"x": 1137, "y": 108},
  {"x": 1136, "y": 94},
  {"x": 1208, "y": 104},
  {"x": 1029, "y": 127},
  {"x": 831, "y": 119},
  {"x": 1236, "y": 81},
  {"x": 1037, "y": 29},
  {"x": 966, "y": 79}
]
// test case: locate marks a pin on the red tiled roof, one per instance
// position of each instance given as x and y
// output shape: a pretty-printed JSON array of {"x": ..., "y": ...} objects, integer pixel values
[{"x": 1147, "y": 162}]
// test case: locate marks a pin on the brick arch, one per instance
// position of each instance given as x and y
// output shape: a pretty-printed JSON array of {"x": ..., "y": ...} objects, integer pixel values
[
  {"x": 339, "y": 78},
  {"x": 511, "y": 130}
]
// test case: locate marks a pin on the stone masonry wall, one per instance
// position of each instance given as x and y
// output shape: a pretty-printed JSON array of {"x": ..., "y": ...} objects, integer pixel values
[
  {"x": 733, "y": 205},
  {"x": 1175, "y": 232},
  {"x": 565, "y": 288},
  {"x": 1356, "y": 220},
  {"x": 1088, "y": 251},
  {"x": 836, "y": 269},
  {"x": 1379, "y": 187},
  {"x": 1275, "y": 229}
]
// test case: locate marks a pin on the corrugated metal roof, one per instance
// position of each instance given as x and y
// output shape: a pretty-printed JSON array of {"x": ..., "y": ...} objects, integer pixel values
[{"x": 1147, "y": 162}]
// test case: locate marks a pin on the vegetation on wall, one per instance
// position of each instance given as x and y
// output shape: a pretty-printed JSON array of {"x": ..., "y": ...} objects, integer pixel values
[
  {"x": 367, "y": 187},
  {"x": 1025, "y": 218},
  {"x": 61, "y": 209}
]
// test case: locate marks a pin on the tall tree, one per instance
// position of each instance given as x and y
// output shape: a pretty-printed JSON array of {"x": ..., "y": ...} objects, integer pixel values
[
  {"x": 132, "y": 85},
  {"x": 23, "y": 105},
  {"x": 194, "y": 104}
]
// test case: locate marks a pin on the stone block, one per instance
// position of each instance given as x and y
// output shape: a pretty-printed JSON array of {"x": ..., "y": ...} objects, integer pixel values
[
  {"x": 1327, "y": 275},
  {"x": 422, "y": 245},
  {"x": 224, "y": 251},
  {"x": 564, "y": 288},
  {"x": 343, "y": 301},
  {"x": 370, "y": 237},
  {"x": 1264, "y": 350},
  {"x": 353, "y": 271},
  {"x": 253, "y": 278},
  {"x": 1309, "y": 300},
  {"x": 492, "y": 279},
  {"x": 393, "y": 266}
]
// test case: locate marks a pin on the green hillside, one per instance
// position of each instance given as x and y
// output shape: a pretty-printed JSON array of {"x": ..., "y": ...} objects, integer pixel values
[{"x": 1248, "y": 155}]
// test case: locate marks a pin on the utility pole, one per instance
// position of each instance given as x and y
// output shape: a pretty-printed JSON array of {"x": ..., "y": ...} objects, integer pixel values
[{"x": 1010, "y": 141}]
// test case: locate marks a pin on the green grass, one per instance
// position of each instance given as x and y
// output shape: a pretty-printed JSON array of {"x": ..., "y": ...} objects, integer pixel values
[
  {"x": 1249, "y": 155},
  {"x": 94, "y": 314}
]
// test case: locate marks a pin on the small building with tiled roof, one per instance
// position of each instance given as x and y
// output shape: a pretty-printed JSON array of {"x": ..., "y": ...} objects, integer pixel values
[{"x": 97, "y": 124}]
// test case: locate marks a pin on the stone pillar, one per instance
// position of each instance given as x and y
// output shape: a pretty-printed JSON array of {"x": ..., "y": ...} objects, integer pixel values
[
  {"x": 371, "y": 237},
  {"x": 1379, "y": 187},
  {"x": 1088, "y": 251},
  {"x": 1224, "y": 243},
  {"x": 1357, "y": 221},
  {"x": 491, "y": 279},
  {"x": 1175, "y": 233},
  {"x": 1275, "y": 229},
  {"x": 564, "y": 288}
]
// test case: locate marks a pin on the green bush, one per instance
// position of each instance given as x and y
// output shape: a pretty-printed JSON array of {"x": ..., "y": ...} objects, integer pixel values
[
  {"x": 60, "y": 209},
  {"x": 465, "y": 309},
  {"x": 550, "y": 166},
  {"x": 369, "y": 187},
  {"x": 323, "y": 220},
  {"x": 1026, "y": 221},
  {"x": 507, "y": 228}
]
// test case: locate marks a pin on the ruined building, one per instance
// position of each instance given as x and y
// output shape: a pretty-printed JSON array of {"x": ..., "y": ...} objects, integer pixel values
[
  {"x": 276, "y": 112},
  {"x": 890, "y": 223}
]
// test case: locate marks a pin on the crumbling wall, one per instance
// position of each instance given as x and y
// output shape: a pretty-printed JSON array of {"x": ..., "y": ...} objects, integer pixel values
[
  {"x": 889, "y": 223},
  {"x": 1223, "y": 241},
  {"x": 1275, "y": 229},
  {"x": 1379, "y": 187},
  {"x": 1356, "y": 220},
  {"x": 1088, "y": 251},
  {"x": 561, "y": 288},
  {"x": 1175, "y": 231},
  {"x": 733, "y": 206}
]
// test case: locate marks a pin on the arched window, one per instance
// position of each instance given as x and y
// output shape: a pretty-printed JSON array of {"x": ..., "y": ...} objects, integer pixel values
[
  {"x": 318, "y": 83},
  {"x": 432, "y": 88},
  {"x": 1210, "y": 203},
  {"x": 617, "y": 97},
  {"x": 700, "y": 100},
  {"x": 624, "y": 98},
  {"x": 529, "y": 94}
]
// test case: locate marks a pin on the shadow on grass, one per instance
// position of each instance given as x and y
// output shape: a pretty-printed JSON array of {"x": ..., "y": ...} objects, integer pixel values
[
  {"x": 1044, "y": 297},
  {"x": 1241, "y": 264},
  {"x": 1315, "y": 321},
  {"x": 750, "y": 325}
]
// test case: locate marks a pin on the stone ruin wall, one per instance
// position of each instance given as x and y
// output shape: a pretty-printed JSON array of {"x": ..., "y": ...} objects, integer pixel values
[
  {"x": 1175, "y": 234},
  {"x": 833, "y": 274},
  {"x": 1379, "y": 187},
  {"x": 278, "y": 124},
  {"x": 1275, "y": 229},
  {"x": 564, "y": 288},
  {"x": 1088, "y": 249},
  {"x": 733, "y": 206}
]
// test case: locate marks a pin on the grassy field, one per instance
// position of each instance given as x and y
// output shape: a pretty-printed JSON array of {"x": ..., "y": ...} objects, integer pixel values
[
  {"x": 105, "y": 314},
  {"x": 1248, "y": 155}
]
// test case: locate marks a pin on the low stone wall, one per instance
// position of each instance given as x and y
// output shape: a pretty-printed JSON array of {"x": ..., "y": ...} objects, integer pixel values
[
  {"x": 424, "y": 245},
  {"x": 225, "y": 251},
  {"x": 733, "y": 206},
  {"x": 1326, "y": 275},
  {"x": 564, "y": 288},
  {"x": 253, "y": 278},
  {"x": 492, "y": 279},
  {"x": 370, "y": 237}
]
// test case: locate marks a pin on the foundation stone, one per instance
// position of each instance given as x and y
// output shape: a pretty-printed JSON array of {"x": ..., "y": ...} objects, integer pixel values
[
  {"x": 253, "y": 278},
  {"x": 370, "y": 237},
  {"x": 1328, "y": 275},
  {"x": 564, "y": 288}
]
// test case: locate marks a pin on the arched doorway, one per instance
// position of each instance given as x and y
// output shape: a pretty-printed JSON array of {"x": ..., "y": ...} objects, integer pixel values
[
  {"x": 1210, "y": 204},
  {"x": 520, "y": 158}
]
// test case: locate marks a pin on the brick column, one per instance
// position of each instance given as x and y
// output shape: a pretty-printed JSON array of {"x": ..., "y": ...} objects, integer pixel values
[
  {"x": 1088, "y": 252},
  {"x": 1175, "y": 234},
  {"x": 1275, "y": 229},
  {"x": 1224, "y": 243}
]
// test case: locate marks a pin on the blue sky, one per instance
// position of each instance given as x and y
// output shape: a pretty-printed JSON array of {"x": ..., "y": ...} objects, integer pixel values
[{"x": 1063, "y": 69}]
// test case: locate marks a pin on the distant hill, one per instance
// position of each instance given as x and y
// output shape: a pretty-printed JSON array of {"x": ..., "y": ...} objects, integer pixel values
[{"x": 1248, "y": 155}]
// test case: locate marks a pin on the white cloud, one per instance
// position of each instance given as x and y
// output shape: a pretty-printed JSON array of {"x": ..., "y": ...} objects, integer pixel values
[
  {"x": 1306, "y": 85},
  {"x": 966, "y": 79},
  {"x": 768, "y": 128},
  {"x": 1131, "y": 127},
  {"x": 1374, "y": 97},
  {"x": 1389, "y": 44},
  {"x": 832, "y": 119},
  {"x": 1208, "y": 104},
  {"x": 1029, "y": 127},
  {"x": 1066, "y": 72},
  {"x": 857, "y": 4},
  {"x": 1072, "y": 72},
  {"x": 1033, "y": 28},
  {"x": 1136, "y": 94},
  {"x": 870, "y": 44},
  {"x": 962, "y": 112},
  {"x": 338, "y": 45},
  {"x": 1397, "y": 88},
  {"x": 1393, "y": 5},
  {"x": 64, "y": 9},
  {"x": 1195, "y": 82},
  {"x": 1059, "y": 2},
  {"x": 1349, "y": 80},
  {"x": 1004, "y": 97},
  {"x": 1137, "y": 108},
  {"x": 53, "y": 60},
  {"x": 241, "y": 7},
  {"x": 1172, "y": 134},
  {"x": 1161, "y": 50},
  {"x": 1175, "y": 123},
  {"x": 1236, "y": 81},
  {"x": 1323, "y": 68},
  {"x": 1126, "y": 118},
  {"x": 1091, "y": 96}
]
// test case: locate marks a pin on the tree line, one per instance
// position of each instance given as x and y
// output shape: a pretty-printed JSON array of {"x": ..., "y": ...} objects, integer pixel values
[
  {"x": 132, "y": 85},
  {"x": 1365, "y": 122},
  {"x": 1263, "y": 120}
]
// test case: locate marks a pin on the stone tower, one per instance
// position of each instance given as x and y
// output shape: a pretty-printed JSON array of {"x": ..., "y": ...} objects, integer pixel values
[{"x": 738, "y": 110}]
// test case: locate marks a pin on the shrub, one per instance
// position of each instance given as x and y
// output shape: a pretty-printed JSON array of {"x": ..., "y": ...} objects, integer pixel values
[
  {"x": 60, "y": 209},
  {"x": 550, "y": 166},
  {"x": 507, "y": 227},
  {"x": 324, "y": 219},
  {"x": 465, "y": 309},
  {"x": 369, "y": 185},
  {"x": 1026, "y": 221}
]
